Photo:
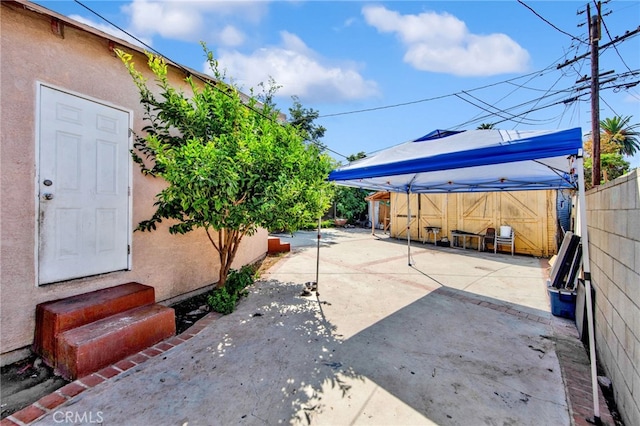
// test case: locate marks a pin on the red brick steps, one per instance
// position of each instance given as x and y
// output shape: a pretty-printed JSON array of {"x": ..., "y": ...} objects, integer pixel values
[
  {"x": 275, "y": 246},
  {"x": 81, "y": 334},
  {"x": 61, "y": 315},
  {"x": 86, "y": 349}
]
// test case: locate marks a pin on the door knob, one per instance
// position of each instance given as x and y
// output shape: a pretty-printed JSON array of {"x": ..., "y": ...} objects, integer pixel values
[{"x": 48, "y": 196}]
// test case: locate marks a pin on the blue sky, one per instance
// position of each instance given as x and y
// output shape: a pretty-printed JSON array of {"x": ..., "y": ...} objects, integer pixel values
[{"x": 382, "y": 73}]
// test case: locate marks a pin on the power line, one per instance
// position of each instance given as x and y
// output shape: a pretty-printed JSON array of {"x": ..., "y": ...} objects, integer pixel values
[
  {"x": 545, "y": 20},
  {"x": 532, "y": 74},
  {"x": 610, "y": 107},
  {"x": 508, "y": 115},
  {"x": 548, "y": 90},
  {"x": 524, "y": 104},
  {"x": 493, "y": 110},
  {"x": 386, "y": 106},
  {"x": 517, "y": 86},
  {"x": 614, "y": 46},
  {"x": 559, "y": 102},
  {"x": 540, "y": 108},
  {"x": 188, "y": 72},
  {"x": 604, "y": 46}
]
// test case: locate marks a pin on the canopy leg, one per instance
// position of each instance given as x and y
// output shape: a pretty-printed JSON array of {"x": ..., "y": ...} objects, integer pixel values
[
  {"x": 318, "y": 256},
  {"x": 372, "y": 216},
  {"x": 408, "y": 229}
]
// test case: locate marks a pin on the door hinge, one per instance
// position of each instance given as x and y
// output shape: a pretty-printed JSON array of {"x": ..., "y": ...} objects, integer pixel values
[
  {"x": 128, "y": 248},
  {"x": 129, "y": 191}
]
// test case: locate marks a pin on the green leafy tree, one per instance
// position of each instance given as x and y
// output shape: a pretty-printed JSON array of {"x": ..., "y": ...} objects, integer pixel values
[
  {"x": 612, "y": 166},
  {"x": 350, "y": 202},
  {"x": 230, "y": 166},
  {"x": 617, "y": 139},
  {"x": 618, "y": 130},
  {"x": 303, "y": 119}
]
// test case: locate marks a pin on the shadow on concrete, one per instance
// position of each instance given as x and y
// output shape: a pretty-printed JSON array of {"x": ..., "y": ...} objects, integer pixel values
[
  {"x": 438, "y": 356},
  {"x": 382, "y": 344},
  {"x": 418, "y": 247}
]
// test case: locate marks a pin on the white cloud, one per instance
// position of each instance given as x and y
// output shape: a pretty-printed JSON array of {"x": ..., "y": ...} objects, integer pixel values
[
  {"x": 111, "y": 30},
  {"x": 442, "y": 43},
  {"x": 193, "y": 20},
  {"x": 231, "y": 36},
  {"x": 168, "y": 19},
  {"x": 299, "y": 70}
]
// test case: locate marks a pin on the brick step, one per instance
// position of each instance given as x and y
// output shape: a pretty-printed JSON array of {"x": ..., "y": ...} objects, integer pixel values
[
  {"x": 275, "y": 246},
  {"x": 55, "y": 317},
  {"x": 91, "y": 347}
]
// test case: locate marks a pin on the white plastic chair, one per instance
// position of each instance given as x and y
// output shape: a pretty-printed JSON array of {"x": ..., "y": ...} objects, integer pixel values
[{"x": 506, "y": 236}]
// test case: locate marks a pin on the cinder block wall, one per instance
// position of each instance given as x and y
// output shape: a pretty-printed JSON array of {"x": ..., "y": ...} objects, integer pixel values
[{"x": 613, "y": 217}]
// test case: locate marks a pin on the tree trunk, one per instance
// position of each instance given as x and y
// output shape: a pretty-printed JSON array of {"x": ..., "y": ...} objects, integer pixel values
[{"x": 228, "y": 243}]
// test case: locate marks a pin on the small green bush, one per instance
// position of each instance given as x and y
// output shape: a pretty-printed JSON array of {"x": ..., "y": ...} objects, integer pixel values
[
  {"x": 237, "y": 281},
  {"x": 224, "y": 299}
]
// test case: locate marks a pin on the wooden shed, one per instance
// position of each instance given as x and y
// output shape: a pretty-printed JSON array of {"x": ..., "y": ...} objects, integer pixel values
[{"x": 532, "y": 215}]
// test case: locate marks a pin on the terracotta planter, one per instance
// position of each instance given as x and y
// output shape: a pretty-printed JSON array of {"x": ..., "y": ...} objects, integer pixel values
[{"x": 340, "y": 222}]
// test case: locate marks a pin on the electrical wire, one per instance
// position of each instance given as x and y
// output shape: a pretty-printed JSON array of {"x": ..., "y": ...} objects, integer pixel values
[
  {"x": 547, "y": 92},
  {"x": 550, "y": 104},
  {"x": 476, "y": 119},
  {"x": 534, "y": 74},
  {"x": 610, "y": 107},
  {"x": 546, "y": 21},
  {"x": 435, "y": 98},
  {"x": 540, "y": 108},
  {"x": 531, "y": 76},
  {"x": 188, "y": 72},
  {"x": 614, "y": 46},
  {"x": 496, "y": 111}
]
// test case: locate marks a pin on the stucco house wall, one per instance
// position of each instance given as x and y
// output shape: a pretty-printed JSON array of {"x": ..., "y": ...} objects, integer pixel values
[
  {"x": 79, "y": 61},
  {"x": 613, "y": 217}
]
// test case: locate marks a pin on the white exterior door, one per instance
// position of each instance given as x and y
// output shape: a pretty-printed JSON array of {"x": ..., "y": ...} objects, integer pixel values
[{"x": 83, "y": 187}]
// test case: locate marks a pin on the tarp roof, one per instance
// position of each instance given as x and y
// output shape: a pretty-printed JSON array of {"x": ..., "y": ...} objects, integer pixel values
[
  {"x": 470, "y": 161},
  {"x": 484, "y": 160}
]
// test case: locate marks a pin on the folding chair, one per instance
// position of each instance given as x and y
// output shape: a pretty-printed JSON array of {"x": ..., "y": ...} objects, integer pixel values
[
  {"x": 505, "y": 237},
  {"x": 489, "y": 238}
]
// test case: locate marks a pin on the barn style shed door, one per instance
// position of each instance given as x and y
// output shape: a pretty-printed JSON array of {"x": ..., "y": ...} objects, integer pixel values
[
  {"x": 399, "y": 212},
  {"x": 83, "y": 187}
]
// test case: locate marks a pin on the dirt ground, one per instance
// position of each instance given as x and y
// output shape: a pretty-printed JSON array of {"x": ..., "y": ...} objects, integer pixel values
[
  {"x": 25, "y": 382},
  {"x": 28, "y": 380}
]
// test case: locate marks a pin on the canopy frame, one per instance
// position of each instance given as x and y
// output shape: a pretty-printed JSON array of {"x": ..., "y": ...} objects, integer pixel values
[{"x": 532, "y": 161}]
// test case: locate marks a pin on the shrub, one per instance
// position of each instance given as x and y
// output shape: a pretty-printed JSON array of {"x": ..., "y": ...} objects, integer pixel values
[
  {"x": 225, "y": 299},
  {"x": 222, "y": 301},
  {"x": 238, "y": 281}
]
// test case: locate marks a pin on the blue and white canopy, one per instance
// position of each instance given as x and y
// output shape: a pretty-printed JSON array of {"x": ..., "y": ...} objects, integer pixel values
[
  {"x": 483, "y": 161},
  {"x": 470, "y": 161}
]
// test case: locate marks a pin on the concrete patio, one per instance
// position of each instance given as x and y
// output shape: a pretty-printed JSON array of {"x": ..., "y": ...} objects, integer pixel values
[{"x": 458, "y": 338}]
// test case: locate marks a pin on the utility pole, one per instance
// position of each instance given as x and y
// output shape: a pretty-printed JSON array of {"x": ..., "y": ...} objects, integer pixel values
[{"x": 594, "y": 38}]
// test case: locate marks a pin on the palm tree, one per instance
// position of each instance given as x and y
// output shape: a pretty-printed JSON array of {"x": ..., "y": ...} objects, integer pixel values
[
  {"x": 485, "y": 126},
  {"x": 618, "y": 130}
]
